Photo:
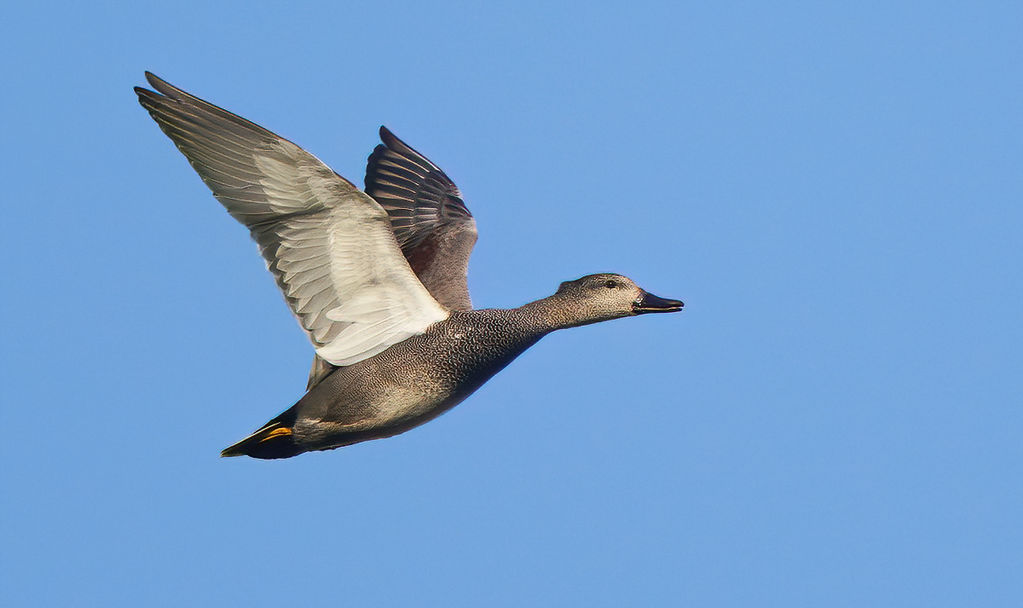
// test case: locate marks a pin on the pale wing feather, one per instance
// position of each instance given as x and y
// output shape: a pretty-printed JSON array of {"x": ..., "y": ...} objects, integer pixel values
[{"x": 329, "y": 246}]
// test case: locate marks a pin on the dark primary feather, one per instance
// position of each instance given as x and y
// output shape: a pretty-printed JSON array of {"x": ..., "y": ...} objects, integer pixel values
[
  {"x": 417, "y": 194},
  {"x": 433, "y": 226}
]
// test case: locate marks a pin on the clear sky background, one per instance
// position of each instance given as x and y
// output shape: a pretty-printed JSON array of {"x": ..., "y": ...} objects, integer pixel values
[{"x": 835, "y": 419}]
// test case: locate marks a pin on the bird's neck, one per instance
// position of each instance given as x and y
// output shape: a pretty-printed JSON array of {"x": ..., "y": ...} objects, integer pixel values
[{"x": 549, "y": 314}]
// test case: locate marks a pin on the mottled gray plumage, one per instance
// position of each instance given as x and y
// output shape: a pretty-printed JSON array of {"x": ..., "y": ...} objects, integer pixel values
[
  {"x": 379, "y": 283},
  {"x": 413, "y": 381}
]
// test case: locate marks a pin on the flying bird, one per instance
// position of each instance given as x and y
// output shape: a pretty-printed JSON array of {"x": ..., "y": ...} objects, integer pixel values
[{"x": 376, "y": 278}]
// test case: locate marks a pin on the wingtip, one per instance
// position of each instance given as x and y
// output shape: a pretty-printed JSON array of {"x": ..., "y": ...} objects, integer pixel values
[
  {"x": 395, "y": 143},
  {"x": 145, "y": 96},
  {"x": 153, "y": 79}
]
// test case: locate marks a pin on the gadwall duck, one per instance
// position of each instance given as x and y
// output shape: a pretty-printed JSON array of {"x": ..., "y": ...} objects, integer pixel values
[{"x": 377, "y": 279}]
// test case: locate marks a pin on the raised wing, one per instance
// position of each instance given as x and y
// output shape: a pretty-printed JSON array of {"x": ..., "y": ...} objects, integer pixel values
[
  {"x": 434, "y": 228},
  {"x": 329, "y": 246}
]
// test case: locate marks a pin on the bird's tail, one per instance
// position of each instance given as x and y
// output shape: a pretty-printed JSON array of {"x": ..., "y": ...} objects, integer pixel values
[{"x": 275, "y": 439}]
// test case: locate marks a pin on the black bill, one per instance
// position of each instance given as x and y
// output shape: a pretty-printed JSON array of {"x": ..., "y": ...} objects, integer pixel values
[{"x": 648, "y": 302}]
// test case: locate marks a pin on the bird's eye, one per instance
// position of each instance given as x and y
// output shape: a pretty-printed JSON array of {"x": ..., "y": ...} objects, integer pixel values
[{"x": 610, "y": 283}]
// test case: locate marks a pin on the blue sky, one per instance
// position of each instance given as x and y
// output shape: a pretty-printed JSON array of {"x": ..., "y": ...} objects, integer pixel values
[{"x": 835, "y": 419}]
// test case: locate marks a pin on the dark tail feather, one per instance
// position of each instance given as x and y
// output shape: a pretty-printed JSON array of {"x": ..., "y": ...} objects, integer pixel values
[{"x": 275, "y": 439}]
